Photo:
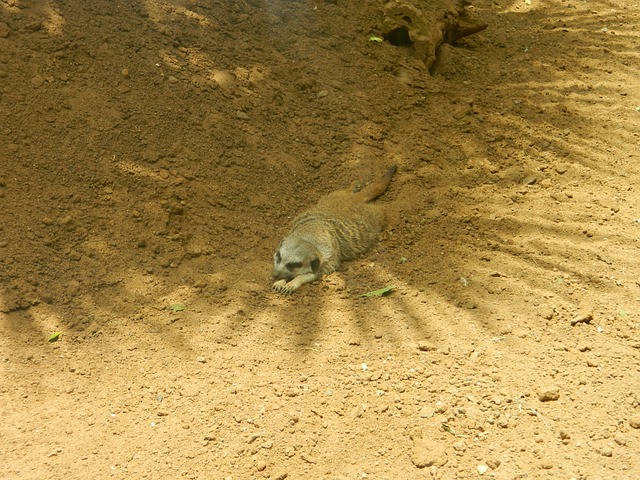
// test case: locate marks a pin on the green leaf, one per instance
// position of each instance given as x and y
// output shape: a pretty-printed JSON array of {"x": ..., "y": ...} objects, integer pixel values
[
  {"x": 379, "y": 293},
  {"x": 623, "y": 314},
  {"x": 375, "y": 39},
  {"x": 55, "y": 337},
  {"x": 447, "y": 428},
  {"x": 176, "y": 307}
]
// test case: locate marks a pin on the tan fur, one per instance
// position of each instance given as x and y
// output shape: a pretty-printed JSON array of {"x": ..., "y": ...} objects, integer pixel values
[{"x": 342, "y": 226}]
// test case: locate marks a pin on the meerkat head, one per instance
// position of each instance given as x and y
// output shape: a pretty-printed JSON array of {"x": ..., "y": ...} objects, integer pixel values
[{"x": 295, "y": 257}]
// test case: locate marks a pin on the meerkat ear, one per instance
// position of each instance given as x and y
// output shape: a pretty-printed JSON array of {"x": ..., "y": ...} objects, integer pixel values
[{"x": 315, "y": 264}]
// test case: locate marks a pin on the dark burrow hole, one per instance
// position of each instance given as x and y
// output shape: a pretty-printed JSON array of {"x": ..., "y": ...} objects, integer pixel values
[{"x": 399, "y": 37}]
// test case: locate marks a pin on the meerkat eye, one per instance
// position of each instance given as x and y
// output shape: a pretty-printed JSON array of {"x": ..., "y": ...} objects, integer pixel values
[
  {"x": 315, "y": 263},
  {"x": 293, "y": 265},
  {"x": 278, "y": 257}
]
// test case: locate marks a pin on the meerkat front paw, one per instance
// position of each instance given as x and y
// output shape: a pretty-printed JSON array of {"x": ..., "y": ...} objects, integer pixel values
[{"x": 284, "y": 287}]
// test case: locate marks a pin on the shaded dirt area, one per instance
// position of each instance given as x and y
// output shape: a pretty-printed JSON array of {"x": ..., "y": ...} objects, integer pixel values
[{"x": 152, "y": 155}]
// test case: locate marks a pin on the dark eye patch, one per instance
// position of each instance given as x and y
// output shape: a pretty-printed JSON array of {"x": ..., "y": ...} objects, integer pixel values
[
  {"x": 315, "y": 264},
  {"x": 293, "y": 265},
  {"x": 278, "y": 257}
]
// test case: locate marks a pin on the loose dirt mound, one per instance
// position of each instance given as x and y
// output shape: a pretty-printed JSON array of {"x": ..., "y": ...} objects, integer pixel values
[{"x": 152, "y": 155}]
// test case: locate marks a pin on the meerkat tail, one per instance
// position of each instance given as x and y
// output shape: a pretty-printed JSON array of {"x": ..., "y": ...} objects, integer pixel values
[{"x": 373, "y": 191}]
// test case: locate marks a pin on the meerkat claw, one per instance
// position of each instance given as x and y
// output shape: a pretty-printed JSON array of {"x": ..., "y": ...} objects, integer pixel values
[{"x": 281, "y": 286}]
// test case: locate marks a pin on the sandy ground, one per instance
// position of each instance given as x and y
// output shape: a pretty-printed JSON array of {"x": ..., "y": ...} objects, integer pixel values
[{"x": 153, "y": 154}]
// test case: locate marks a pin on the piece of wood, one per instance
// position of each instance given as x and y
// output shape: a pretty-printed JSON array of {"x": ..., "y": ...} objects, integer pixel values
[{"x": 424, "y": 25}]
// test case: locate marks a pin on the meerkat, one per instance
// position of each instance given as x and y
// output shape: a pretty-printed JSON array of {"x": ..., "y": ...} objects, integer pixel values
[{"x": 342, "y": 226}]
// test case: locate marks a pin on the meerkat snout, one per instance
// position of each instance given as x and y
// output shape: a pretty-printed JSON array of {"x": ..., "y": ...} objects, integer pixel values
[{"x": 293, "y": 259}]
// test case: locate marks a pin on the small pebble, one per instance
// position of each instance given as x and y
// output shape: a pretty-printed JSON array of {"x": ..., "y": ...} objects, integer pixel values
[
  {"x": 427, "y": 412},
  {"x": 261, "y": 465},
  {"x": 37, "y": 81},
  {"x": 4, "y": 30},
  {"x": 425, "y": 346},
  {"x": 441, "y": 407},
  {"x": 606, "y": 452},
  {"x": 620, "y": 439},
  {"x": 546, "y": 183},
  {"x": 634, "y": 422},
  {"x": 584, "y": 318},
  {"x": 559, "y": 197},
  {"x": 75, "y": 256},
  {"x": 460, "y": 446},
  {"x": 427, "y": 453},
  {"x": 548, "y": 394}
]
